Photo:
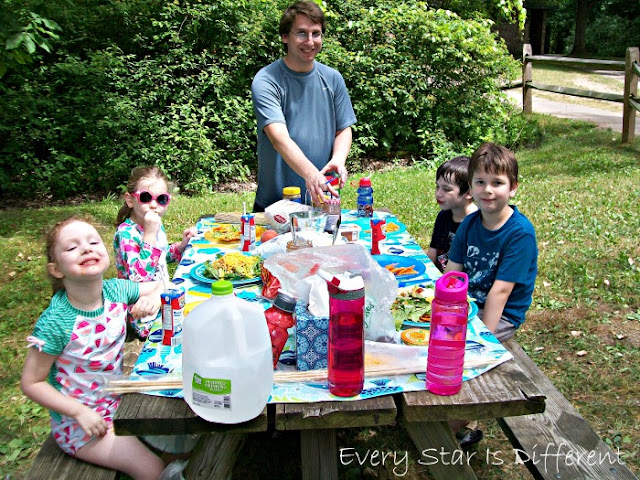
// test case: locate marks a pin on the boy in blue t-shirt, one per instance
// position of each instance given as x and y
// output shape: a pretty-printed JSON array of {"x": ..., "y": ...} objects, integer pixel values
[{"x": 496, "y": 245}]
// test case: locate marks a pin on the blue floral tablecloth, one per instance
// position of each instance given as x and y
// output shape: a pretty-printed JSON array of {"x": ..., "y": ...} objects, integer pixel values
[{"x": 483, "y": 349}]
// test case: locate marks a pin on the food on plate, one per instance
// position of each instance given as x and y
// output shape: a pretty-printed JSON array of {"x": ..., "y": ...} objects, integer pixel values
[
  {"x": 226, "y": 232},
  {"x": 268, "y": 235},
  {"x": 397, "y": 271},
  {"x": 412, "y": 304},
  {"x": 389, "y": 227},
  {"x": 233, "y": 266},
  {"x": 415, "y": 336}
]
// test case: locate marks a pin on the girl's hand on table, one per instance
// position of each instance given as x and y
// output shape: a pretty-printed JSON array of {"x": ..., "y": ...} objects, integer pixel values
[
  {"x": 187, "y": 235},
  {"x": 146, "y": 305}
]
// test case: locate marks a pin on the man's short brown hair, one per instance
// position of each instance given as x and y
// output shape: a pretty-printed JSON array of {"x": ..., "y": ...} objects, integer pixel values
[{"x": 310, "y": 9}]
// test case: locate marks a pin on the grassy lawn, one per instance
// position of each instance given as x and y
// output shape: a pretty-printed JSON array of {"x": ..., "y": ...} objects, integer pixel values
[{"x": 580, "y": 190}]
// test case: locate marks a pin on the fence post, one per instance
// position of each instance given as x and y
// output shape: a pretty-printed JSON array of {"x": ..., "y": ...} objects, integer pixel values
[
  {"x": 630, "y": 89},
  {"x": 527, "y": 76}
]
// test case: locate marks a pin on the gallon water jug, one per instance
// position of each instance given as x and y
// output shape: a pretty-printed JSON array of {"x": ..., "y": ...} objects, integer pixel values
[
  {"x": 448, "y": 334},
  {"x": 227, "y": 370}
]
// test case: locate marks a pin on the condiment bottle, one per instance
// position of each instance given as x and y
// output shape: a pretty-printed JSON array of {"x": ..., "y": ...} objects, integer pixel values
[
  {"x": 346, "y": 334},
  {"x": 279, "y": 319},
  {"x": 378, "y": 234},
  {"x": 292, "y": 193},
  {"x": 365, "y": 198},
  {"x": 448, "y": 334},
  {"x": 332, "y": 208}
]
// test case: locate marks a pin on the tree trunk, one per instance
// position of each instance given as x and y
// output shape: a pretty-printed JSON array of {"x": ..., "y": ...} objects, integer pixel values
[{"x": 579, "y": 41}]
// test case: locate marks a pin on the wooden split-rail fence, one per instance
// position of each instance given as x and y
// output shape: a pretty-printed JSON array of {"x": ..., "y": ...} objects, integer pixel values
[{"x": 629, "y": 98}]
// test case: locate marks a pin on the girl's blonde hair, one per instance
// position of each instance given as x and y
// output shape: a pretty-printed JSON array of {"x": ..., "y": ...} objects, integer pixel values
[
  {"x": 52, "y": 240},
  {"x": 138, "y": 174}
]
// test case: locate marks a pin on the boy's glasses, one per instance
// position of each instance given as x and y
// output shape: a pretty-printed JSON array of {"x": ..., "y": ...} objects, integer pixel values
[
  {"x": 304, "y": 36},
  {"x": 145, "y": 197}
]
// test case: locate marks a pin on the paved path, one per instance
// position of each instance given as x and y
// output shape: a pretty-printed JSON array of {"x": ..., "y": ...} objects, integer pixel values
[{"x": 602, "y": 117}]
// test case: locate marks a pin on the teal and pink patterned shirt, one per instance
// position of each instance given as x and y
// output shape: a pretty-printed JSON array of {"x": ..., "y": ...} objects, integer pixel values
[
  {"x": 87, "y": 346},
  {"x": 141, "y": 262}
]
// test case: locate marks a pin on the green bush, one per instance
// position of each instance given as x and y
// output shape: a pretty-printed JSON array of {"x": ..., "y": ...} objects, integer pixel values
[
  {"x": 168, "y": 83},
  {"x": 423, "y": 81}
]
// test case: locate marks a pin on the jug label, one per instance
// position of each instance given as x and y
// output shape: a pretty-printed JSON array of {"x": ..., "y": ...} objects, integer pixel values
[{"x": 211, "y": 392}]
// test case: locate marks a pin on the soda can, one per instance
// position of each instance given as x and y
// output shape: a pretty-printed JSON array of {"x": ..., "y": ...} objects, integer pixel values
[
  {"x": 247, "y": 232},
  {"x": 378, "y": 234},
  {"x": 172, "y": 311}
]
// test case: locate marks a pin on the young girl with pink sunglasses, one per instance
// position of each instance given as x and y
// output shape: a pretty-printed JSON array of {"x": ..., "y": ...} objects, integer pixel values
[{"x": 140, "y": 242}]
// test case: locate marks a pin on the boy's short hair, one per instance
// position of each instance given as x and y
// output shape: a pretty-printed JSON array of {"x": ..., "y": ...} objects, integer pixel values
[
  {"x": 496, "y": 159},
  {"x": 457, "y": 169}
]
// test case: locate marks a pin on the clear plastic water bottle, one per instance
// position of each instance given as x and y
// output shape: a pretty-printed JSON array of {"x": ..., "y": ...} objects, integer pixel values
[
  {"x": 448, "y": 334},
  {"x": 365, "y": 198},
  {"x": 346, "y": 336}
]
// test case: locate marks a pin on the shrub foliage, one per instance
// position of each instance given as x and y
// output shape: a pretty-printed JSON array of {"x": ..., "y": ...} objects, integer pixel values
[{"x": 168, "y": 83}]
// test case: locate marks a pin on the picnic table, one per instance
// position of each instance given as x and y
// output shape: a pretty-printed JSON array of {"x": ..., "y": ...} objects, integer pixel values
[{"x": 504, "y": 390}]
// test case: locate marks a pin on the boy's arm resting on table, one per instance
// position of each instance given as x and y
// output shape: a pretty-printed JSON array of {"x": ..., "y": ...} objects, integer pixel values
[
  {"x": 496, "y": 300},
  {"x": 149, "y": 301},
  {"x": 453, "y": 267},
  {"x": 35, "y": 386},
  {"x": 432, "y": 253},
  {"x": 278, "y": 135}
]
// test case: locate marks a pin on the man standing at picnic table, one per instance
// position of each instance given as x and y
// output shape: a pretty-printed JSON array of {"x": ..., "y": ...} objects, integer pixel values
[{"x": 304, "y": 113}]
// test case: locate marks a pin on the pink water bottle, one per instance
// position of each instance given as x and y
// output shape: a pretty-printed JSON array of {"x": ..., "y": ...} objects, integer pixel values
[
  {"x": 448, "y": 334},
  {"x": 346, "y": 334}
]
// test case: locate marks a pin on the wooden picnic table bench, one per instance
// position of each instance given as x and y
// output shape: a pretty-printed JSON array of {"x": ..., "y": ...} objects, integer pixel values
[
  {"x": 558, "y": 443},
  {"x": 51, "y": 462}
]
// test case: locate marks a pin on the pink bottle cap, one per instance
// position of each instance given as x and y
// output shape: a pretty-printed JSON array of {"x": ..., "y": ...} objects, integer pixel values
[{"x": 452, "y": 287}]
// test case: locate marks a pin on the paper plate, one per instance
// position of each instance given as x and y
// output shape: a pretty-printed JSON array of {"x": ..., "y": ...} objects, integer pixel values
[
  {"x": 401, "y": 261},
  {"x": 197, "y": 274}
]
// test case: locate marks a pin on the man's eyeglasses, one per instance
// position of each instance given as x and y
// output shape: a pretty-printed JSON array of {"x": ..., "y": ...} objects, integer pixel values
[
  {"x": 304, "y": 36},
  {"x": 145, "y": 197}
]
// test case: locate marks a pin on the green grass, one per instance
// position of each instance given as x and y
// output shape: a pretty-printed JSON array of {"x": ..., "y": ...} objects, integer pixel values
[{"x": 580, "y": 190}]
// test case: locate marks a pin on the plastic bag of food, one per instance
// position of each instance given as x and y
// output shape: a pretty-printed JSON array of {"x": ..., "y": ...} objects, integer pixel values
[
  {"x": 380, "y": 285},
  {"x": 277, "y": 214}
]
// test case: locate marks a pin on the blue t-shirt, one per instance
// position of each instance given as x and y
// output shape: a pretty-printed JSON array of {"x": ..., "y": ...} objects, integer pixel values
[
  {"x": 509, "y": 254},
  {"x": 314, "y": 106}
]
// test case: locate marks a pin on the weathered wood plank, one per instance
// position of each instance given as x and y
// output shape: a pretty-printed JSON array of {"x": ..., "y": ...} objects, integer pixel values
[
  {"x": 305, "y": 416},
  {"x": 148, "y": 415},
  {"x": 505, "y": 388},
  {"x": 559, "y": 443},
  {"x": 577, "y": 92},
  {"x": 319, "y": 454},
  {"x": 51, "y": 462},
  {"x": 586, "y": 63},
  {"x": 214, "y": 456},
  {"x": 434, "y": 438}
]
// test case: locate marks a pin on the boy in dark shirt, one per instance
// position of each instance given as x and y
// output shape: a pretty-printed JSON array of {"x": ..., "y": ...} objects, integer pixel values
[{"x": 454, "y": 198}]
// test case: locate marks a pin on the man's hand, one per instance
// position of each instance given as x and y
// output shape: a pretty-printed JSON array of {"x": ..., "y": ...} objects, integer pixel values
[{"x": 338, "y": 167}]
